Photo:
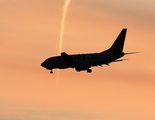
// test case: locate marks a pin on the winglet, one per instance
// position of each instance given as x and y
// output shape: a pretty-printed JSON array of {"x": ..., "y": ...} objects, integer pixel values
[{"x": 119, "y": 42}]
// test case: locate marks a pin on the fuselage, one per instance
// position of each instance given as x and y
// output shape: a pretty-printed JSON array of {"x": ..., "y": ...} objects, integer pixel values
[{"x": 92, "y": 59}]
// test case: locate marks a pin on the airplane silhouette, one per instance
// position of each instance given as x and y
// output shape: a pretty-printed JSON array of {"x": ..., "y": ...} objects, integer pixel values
[{"x": 83, "y": 62}]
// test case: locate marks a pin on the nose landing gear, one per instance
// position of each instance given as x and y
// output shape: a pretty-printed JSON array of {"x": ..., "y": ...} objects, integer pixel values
[{"x": 51, "y": 71}]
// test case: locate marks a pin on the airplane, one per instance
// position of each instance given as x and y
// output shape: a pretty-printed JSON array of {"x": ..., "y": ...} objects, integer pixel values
[{"x": 83, "y": 62}]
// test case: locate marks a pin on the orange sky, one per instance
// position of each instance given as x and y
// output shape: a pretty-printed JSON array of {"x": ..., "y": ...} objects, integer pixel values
[{"x": 30, "y": 33}]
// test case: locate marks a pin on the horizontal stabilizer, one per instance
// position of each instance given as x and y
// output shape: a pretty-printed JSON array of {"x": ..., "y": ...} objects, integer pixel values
[
  {"x": 120, "y": 60},
  {"x": 131, "y": 53}
]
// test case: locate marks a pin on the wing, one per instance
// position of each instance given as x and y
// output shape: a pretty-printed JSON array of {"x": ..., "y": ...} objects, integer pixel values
[{"x": 72, "y": 63}]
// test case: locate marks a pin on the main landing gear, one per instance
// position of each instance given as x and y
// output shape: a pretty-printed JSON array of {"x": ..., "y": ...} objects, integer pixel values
[{"x": 89, "y": 70}]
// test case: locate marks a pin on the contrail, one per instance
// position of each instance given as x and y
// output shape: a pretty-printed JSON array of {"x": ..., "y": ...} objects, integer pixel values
[
  {"x": 62, "y": 30},
  {"x": 63, "y": 23}
]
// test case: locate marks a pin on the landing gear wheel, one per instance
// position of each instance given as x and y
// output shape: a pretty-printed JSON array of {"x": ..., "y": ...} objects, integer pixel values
[
  {"x": 89, "y": 70},
  {"x": 78, "y": 70},
  {"x": 51, "y": 71}
]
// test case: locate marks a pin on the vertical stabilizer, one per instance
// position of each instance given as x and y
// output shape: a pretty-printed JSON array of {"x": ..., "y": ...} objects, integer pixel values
[{"x": 119, "y": 42}]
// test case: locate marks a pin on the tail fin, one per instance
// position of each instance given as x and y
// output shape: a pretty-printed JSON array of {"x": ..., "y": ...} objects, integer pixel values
[{"x": 119, "y": 42}]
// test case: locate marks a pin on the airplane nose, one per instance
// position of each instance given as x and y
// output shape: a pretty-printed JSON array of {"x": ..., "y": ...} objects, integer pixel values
[
  {"x": 46, "y": 64},
  {"x": 43, "y": 64}
]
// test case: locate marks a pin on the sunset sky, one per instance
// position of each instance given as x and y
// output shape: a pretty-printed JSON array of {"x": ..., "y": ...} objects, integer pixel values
[{"x": 30, "y": 33}]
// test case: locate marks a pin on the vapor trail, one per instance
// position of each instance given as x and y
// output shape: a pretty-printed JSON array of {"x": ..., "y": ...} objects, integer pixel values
[
  {"x": 63, "y": 23},
  {"x": 62, "y": 30}
]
